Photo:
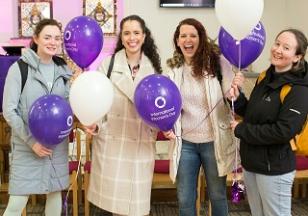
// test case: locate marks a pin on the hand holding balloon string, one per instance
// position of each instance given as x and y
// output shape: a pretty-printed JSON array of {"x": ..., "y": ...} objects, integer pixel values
[
  {"x": 41, "y": 150},
  {"x": 169, "y": 134},
  {"x": 91, "y": 129}
]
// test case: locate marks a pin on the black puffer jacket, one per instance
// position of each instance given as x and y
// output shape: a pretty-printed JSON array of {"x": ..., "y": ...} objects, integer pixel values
[{"x": 268, "y": 124}]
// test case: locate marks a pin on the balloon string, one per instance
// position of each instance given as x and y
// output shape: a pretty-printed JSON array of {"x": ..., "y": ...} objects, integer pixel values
[
  {"x": 233, "y": 114},
  {"x": 54, "y": 169},
  {"x": 75, "y": 179},
  {"x": 235, "y": 181},
  {"x": 236, "y": 139},
  {"x": 236, "y": 144},
  {"x": 236, "y": 159},
  {"x": 239, "y": 55},
  {"x": 232, "y": 109},
  {"x": 58, "y": 179},
  {"x": 209, "y": 113}
]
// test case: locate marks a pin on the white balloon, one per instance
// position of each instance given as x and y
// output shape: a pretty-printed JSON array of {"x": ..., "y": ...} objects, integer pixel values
[
  {"x": 91, "y": 96},
  {"x": 239, "y": 17}
]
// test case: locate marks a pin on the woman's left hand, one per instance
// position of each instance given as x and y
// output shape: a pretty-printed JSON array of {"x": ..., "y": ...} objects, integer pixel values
[
  {"x": 169, "y": 134},
  {"x": 238, "y": 79},
  {"x": 233, "y": 124},
  {"x": 91, "y": 129}
]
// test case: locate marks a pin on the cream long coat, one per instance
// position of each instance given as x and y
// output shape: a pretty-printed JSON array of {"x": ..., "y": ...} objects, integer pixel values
[
  {"x": 123, "y": 151},
  {"x": 224, "y": 140}
]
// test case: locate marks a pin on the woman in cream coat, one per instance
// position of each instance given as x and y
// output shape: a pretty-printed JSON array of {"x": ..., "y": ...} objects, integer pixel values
[
  {"x": 202, "y": 134},
  {"x": 123, "y": 145}
]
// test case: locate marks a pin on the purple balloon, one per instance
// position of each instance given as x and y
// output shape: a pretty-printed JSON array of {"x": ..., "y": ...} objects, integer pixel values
[
  {"x": 50, "y": 119},
  {"x": 237, "y": 192},
  {"x": 158, "y": 101},
  {"x": 83, "y": 40},
  {"x": 251, "y": 46}
]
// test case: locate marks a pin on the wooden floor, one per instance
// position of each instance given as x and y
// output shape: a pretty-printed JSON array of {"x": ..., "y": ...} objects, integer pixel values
[{"x": 299, "y": 208}]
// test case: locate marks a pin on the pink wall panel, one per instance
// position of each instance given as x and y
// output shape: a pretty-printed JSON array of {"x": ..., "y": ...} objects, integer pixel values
[{"x": 63, "y": 11}]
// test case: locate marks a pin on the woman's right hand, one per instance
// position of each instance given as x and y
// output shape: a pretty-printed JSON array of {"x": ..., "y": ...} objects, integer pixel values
[
  {"x": 91, "y": 129},
  {"x": 41, "y": 150},
  {"x": 234, "y": 92},
  {"x": 237, "y": 83},
  {"x": 169, "y": 134},
  {"x": 238, "y": 79}
]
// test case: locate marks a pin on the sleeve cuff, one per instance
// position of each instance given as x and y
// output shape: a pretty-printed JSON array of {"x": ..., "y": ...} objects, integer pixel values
[{"x": 30, "y": 142}]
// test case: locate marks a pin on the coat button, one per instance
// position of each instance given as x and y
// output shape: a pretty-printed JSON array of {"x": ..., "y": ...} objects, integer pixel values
[{"x": 223, "y": 126}]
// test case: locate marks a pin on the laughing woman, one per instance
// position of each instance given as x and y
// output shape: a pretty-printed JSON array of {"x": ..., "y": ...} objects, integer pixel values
[{"x": 202, "y": 135}]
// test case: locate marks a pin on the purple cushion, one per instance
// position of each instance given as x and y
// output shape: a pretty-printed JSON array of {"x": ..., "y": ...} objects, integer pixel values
[
  {"x": 160, "y": 136},
  {"x": 73, "y": 166},
  {"x": 71, "y": 136},
  {"x": 87, "y": 166},
  {"x": 161, "y": 166},
  {"x": 301, "y": 162}
]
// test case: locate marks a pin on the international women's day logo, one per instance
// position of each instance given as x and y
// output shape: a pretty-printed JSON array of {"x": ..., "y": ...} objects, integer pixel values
[{"x": 158, "y": 101}]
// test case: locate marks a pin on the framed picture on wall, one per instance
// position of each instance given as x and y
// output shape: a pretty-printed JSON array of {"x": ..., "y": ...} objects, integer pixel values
[
  {"x": 104, "y": 12},
  {"x": 30, "y": 12}
]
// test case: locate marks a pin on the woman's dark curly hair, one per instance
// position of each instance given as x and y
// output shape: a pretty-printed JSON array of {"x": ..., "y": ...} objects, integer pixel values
[
  {"x": 148, "y": 47},
  {"x": 206, "y": 58}
]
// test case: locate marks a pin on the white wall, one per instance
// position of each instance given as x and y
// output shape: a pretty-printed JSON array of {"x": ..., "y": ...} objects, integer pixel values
[
  {"x": 163, "y": 21},
  {"x": 277, "y": 15},
  {"x": 297, "y": 14}
]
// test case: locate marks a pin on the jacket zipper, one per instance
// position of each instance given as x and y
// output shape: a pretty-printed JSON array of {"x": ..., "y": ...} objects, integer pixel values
[
  {"x": 54, "y": 81},
  {"x": 268, "y": 162}
]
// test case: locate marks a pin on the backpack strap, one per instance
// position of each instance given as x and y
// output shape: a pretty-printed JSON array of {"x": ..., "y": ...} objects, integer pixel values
[
  {"x": 59, "y": 61},
  {"x": 110, "y": 66},
  {"x": 261, "y": 77},
  {"x": 284, "y": 91},
  {"x": 23, "y": 68}
]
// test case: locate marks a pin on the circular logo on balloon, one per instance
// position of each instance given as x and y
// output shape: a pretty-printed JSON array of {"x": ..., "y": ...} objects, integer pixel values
[
  {"x": 258, "y": 26},
  {"x": 69, "y": 121},
  {"x": 67, "y": 35},
  {"x": 160, "y": 102}
]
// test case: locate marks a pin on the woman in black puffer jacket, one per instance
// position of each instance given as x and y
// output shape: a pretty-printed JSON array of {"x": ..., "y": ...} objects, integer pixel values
[{"x": 269, "y": 124}]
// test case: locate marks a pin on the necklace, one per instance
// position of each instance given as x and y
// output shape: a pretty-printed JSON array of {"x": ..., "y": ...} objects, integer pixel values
[{"x": 134, "y": 70}]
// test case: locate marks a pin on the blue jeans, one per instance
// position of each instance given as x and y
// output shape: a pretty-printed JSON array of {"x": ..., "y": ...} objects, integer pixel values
[
  {"x": 269, "y": 195},
  {"x": 192, "y": 156}
]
